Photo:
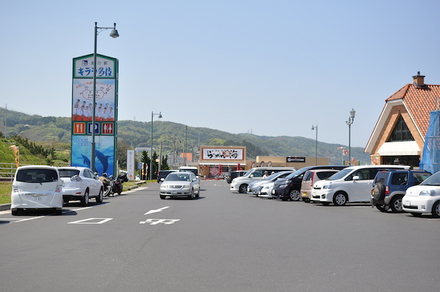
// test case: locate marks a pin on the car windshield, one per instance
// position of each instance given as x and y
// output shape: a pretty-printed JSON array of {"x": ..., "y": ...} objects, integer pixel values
[
  {"x": 36, "y": 175},
  {"x": 298, "y": 172},
  {"x": 272, "y": 176},
  {"x": 340, "y": 174},
  {"x": 178, "y": 177},
  {"x": 68, "y": 172},
  {"x": 248, "y": 172},
  {"x": 433, "y": 180}
]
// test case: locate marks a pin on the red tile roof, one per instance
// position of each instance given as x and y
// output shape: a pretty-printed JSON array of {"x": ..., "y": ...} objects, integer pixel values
[{"x": 420, "y": 101}]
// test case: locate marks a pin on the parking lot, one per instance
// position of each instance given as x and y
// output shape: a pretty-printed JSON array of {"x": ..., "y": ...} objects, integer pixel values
[{"x": 221, "y": 241}]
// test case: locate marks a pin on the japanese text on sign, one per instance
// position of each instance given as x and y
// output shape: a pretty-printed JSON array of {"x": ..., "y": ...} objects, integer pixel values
[{"x": 226, "y": 154}]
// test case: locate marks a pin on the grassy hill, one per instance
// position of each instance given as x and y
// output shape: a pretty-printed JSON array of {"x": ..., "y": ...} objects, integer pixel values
[{"x": 54, "y": 132}]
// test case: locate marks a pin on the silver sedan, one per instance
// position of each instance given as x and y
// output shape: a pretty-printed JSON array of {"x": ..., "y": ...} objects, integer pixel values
[{"x": 180, "y": 184}]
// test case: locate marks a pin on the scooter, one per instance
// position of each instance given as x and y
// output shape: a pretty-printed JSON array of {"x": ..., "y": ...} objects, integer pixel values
[{"x": 117, "y": 184}]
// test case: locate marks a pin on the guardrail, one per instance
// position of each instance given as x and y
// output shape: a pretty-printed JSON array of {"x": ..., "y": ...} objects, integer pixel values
[{"x": 7, "y": 171}]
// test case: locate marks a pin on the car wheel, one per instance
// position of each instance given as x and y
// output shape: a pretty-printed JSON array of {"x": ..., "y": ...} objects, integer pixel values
[
  {"x": 294, "y": 195},
  {"x": 416, "y": 214},
  {"x": 436, "y": 209},
  {"x": 396, "y": 204},
  {"x": 85, "y": 199},
  {"x": 243, "y": 189},
  {"x": 340, "y": 199},
  {"x": 59, "y": 212},
  {"x": 162, "y": 197},
  {"x": 100, "y": 197},
  {"x": 383, "y": 208},
  {"x": 192, "y": 196}
]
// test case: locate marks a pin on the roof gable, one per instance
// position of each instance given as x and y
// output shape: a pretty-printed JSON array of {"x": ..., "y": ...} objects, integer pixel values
[{"x": 418, "y": 101}]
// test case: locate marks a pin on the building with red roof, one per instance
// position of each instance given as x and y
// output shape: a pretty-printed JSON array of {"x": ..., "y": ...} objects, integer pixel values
[{"x": 399, "y": 134}]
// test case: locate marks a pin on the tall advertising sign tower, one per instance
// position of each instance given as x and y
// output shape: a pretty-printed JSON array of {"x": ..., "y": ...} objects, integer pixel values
[{"x": 106, "y": 113}]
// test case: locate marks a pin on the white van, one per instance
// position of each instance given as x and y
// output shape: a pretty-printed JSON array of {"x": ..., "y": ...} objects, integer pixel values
[
  {"x": 36, "y": 187},
  {"x": 352, "y": 184},
  {"x": 192, "y": 169},
  {"x": 240, "y": 184}
]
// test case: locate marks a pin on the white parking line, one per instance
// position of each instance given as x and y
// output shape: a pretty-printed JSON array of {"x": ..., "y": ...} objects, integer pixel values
[{"x": 91, "y": 221}]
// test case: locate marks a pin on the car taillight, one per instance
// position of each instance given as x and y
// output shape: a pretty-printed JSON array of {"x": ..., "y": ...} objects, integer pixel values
[
  {"x": 387, "y": 190},
  {"x": 311, "y": 184}
]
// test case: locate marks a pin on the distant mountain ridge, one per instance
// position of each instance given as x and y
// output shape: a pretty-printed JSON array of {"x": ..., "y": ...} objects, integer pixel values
[{"x": 176, "y": 138}]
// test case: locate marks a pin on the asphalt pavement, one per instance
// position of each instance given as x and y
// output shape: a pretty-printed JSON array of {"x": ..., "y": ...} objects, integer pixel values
[{"x": 222, "y": 241}]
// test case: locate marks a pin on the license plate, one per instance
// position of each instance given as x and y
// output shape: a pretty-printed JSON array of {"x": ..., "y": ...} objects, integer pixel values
[{"x": 304, "y": 194}]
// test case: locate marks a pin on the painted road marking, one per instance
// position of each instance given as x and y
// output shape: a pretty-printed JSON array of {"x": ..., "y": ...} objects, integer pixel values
[
  {"x": 157, "y": 210},
  {"x": 91, "y": 221},
  {"x": 159, "y": 221}
]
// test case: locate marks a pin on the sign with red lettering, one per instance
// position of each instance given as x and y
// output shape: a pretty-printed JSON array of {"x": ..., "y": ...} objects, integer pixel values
[{"x": 107, "y": 128}]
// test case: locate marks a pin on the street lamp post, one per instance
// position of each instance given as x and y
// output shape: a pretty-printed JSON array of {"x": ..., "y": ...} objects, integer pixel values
[
  {"x": 114, "y": 34},
  {"x": 349, "y": 123},
  {"x": 316, "y": 144},
  {"x": 151, "y": 154}
]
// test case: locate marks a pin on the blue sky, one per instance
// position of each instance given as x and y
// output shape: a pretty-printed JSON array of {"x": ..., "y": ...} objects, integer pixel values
[{"x": 273, "y": 68}]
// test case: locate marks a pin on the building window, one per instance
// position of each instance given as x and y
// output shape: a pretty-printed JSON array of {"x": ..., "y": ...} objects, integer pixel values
[{"x": 400, "y": 132}]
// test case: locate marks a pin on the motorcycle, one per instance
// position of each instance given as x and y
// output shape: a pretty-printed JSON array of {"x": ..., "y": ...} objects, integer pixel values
[
  {"x": 117, "y": 183},
  {"x": 108, "y": 185}
]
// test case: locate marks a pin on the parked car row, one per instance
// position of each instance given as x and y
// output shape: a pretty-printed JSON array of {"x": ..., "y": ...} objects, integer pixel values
[
  {"x": 240, "y": 184},
  {"x": 387, "y": 187},
  {"x": 47, "y": 187}
]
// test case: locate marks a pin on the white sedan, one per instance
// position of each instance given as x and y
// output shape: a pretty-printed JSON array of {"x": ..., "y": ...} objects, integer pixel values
[
  {"x": 266, "y": 190},
  {"x": 180, "y": 184},
  {"x": 424, "y": 198},
  {"x": 80, "y": 183}
]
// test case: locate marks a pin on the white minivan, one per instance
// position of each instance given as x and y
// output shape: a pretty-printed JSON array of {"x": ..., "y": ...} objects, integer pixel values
[
  {"x": 36, "y": 187},
  {"x": 240, "y": 184},
  {"x": 352, "y": 184}
]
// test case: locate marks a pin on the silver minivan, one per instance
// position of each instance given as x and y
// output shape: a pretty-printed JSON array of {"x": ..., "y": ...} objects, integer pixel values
[{"x": 36, "y": 187}]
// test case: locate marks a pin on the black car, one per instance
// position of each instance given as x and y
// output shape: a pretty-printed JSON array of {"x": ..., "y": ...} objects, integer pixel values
[
  {"x": 233, "y": 174},
  {"x": 289, "y": 187},
  {"x": 163, "y": 174}
]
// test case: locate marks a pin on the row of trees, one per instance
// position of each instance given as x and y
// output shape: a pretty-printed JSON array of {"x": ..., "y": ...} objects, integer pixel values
[
  {"x": 145, "y": 159},
  {"x": 35, "y": 149}
]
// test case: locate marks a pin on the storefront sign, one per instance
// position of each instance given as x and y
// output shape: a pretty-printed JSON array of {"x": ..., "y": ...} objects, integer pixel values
[{"x": 295, "y": 159}]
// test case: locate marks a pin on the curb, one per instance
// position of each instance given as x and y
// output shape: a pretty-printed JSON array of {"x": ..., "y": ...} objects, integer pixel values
[{"x": 4, "y": 207}]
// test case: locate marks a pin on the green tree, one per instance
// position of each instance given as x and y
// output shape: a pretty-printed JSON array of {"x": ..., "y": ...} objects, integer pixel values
[
  {"x": 164, "y": 163},
  {"x": 155, "y": 165},
  {"x": 146, "y": 162},
  {"x": 122, "y": 153}
]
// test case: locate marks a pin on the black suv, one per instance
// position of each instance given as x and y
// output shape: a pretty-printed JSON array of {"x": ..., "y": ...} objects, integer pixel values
[
  {"x": 163, "y": 174},
  {"x": 233, "y": 174},
  {"x": 389, "y": 187},
  {"x": 289, "y": 187}
]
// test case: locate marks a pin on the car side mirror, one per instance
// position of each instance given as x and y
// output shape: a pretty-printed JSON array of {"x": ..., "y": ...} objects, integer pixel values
[
  {"x": 356, "y": 177},
  {"x": 162, "y": 179}
]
